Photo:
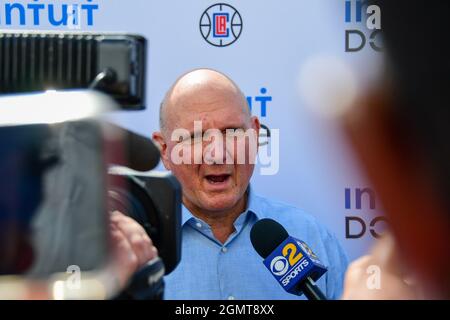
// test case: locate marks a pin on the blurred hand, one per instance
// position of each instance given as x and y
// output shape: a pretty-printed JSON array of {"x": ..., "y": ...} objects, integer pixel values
[
  {"x": 132, "y": 247},
  {"x": 361, "y": 282}
]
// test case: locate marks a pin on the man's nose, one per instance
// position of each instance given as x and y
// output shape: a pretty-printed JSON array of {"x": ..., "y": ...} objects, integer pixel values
[{"x": 216, "y": 151}]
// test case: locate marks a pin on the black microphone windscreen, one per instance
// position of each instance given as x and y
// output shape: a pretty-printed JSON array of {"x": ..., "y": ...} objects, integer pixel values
[
  {"x": 143, "y": 155},
  {"x": 266, "y": 235}
]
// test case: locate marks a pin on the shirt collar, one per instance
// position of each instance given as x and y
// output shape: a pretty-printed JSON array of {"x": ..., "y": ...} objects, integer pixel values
[
  {"x": 254, "y": 205},
  {"x": 186, "y": 215}
]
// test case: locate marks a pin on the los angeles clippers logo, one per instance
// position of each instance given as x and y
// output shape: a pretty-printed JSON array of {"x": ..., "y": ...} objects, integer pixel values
[{"x": 221, "y": 25}]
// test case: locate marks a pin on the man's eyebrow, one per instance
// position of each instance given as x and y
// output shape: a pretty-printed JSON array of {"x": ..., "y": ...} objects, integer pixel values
[
  {"x": 240, "y": 126},
  {"x": 229, "y": 127},
  {"x": 235, "y": 127}
]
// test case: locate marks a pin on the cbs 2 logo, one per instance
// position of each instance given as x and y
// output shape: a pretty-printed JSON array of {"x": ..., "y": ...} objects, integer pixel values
[{"x": 280, "y": 265}]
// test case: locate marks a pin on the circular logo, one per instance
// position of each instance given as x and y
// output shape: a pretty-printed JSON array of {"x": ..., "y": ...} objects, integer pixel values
[
  {"x": 221, "y": 25},
  {"x": 307, "y": 250},
  {"x": 279, "y": 266}
]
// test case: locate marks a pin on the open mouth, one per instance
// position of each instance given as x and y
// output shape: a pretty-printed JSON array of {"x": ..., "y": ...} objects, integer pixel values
[{"x": 217, "y": 179}]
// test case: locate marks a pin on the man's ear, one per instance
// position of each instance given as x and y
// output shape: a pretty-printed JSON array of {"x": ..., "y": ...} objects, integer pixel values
[
  {"x": 256, "y": 125},
  {"x": 162, "y": 146}
]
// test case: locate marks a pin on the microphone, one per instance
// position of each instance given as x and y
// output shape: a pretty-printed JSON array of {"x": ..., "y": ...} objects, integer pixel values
[
  {"x": 293, "y": 264},
  {"x": 141, "y": 154}
]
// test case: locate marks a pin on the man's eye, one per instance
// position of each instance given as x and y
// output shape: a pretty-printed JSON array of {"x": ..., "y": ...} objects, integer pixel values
[
  {"x": 184, "y": 140},
  {"x": 190, "y": 140},
  {"x": 236, "y": 132}
]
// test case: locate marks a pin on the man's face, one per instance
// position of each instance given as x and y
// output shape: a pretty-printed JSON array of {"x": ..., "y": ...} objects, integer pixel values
[{"x": 209, "y": 186}]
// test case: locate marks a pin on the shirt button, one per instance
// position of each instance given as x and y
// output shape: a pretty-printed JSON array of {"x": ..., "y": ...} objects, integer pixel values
[
  {"x": 198, "y": 224},
  {"x": 231, "y": 298},
  {"x": 224, "y": 249}
]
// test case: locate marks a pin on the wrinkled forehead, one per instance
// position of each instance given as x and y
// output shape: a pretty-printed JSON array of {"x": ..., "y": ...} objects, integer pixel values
[{"x": 215, "y": 107}]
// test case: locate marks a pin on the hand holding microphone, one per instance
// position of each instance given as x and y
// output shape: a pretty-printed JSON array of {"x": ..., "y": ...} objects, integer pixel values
[{"x": 291, "y": 261}]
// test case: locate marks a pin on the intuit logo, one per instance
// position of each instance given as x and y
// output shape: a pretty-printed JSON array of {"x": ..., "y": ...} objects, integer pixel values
[
  {"x": 69, "y": 14},
  {"x": 258, "y": 104},
  {"x": 359, "y": 15}
]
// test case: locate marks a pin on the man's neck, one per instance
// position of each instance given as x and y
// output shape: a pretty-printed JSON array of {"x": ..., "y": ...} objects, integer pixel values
[{"x": 221, "y": 222}]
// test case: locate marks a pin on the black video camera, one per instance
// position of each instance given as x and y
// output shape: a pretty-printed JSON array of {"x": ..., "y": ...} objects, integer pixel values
[{"x": 64, "y": 164}]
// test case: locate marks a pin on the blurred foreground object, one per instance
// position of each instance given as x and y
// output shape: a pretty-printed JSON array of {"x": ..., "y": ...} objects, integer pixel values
[
  {"x": 35, "y": 61},
  {"x": 401, "y": 133},
  {"x": 380, "y": 275},
  {"x": 65, "y": 167},
  {"x": 56, "y": 149},
  {"x": 52, "y": 201}
]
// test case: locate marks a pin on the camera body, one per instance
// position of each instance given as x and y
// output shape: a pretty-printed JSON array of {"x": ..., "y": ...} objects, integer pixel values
[
  {"x": 152, "y": 199},
  {"x": 75, "y": 163}
]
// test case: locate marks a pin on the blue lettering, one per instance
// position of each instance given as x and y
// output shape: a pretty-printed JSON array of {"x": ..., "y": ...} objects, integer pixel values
[
  {"x": 359, "y": 192},
  {"x": 90, "y": 12},
  {"x": 358, "y": 11},
  {"x": 36, "y": 14},
  {"x": 8, "y": 10},
  {"x": 51, "y": 15},
  {"x": 249, "y": 102},
  {"x": 347, "y": 198},
  {"x": 75, "y": 15},
  {"x": 348, "y": 11},
  {"x": 263, "y": 100}
]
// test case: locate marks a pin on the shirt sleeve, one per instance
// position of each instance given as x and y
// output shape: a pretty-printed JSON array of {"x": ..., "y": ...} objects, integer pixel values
[{"x": 338, "y": 263}]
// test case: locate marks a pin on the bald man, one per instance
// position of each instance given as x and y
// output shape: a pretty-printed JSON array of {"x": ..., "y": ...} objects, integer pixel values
[{"x": 219, "y": 207}]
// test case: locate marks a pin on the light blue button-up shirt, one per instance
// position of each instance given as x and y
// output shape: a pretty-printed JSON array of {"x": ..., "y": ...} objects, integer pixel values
[{"x": 211, "y": 270}]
